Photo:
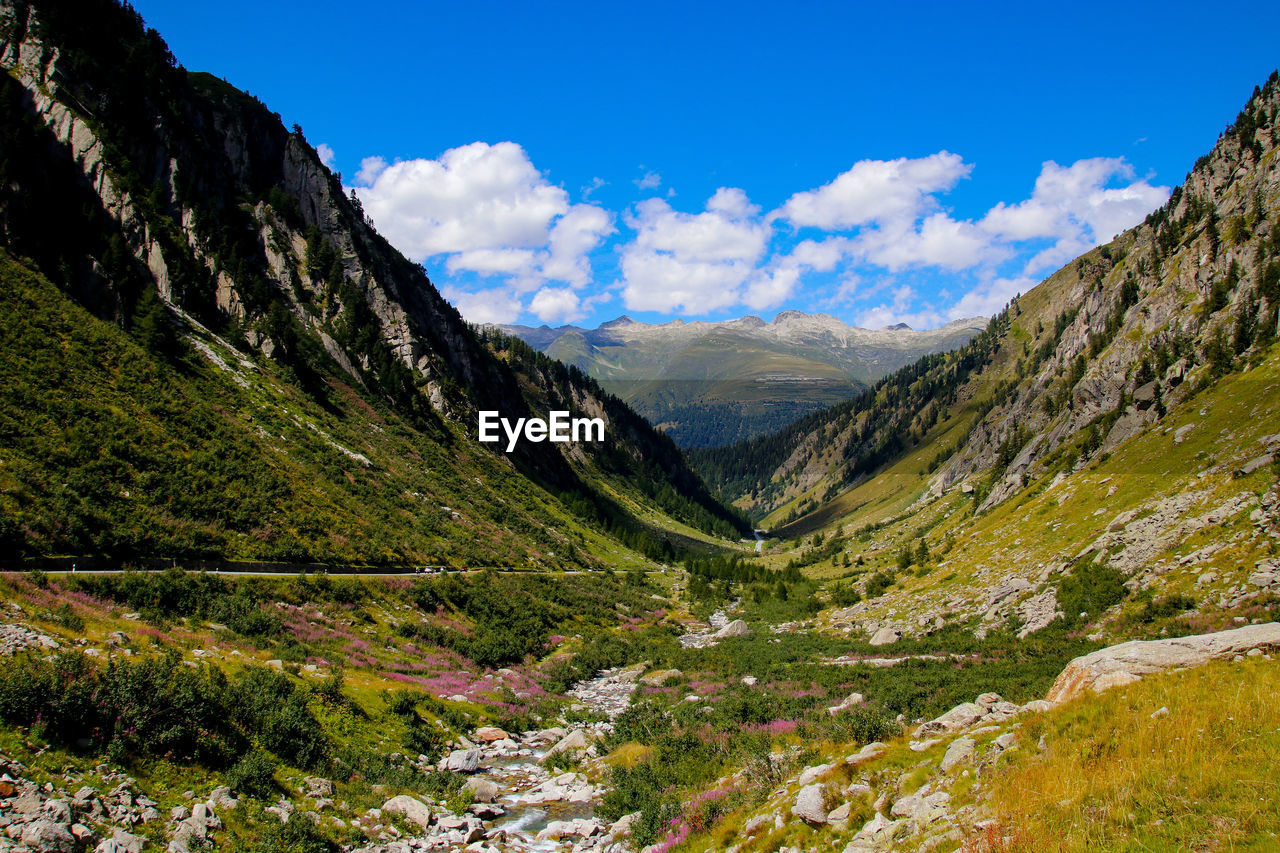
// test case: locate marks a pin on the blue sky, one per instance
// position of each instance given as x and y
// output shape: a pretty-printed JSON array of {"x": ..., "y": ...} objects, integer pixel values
[{"x": 570, "y": 162}]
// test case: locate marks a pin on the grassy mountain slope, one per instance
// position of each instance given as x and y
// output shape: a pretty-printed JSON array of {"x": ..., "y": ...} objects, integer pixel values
[
  {"x": 1106, "y": 448},
  {"x": 1099, "y": 351},
  {"x": 298, "y": 388}
]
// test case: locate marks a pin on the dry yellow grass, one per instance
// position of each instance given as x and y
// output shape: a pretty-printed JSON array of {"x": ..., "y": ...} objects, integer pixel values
[{"x": 1203, "y": 777}]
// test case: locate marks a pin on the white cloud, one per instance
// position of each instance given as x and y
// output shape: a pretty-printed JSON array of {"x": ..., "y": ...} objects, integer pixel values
[
  {"x": 693, "y": 262},
  {"x": 939, "y": 241},
  {"x": 495, "y": 305},
  {"x": 487, "y": 210},
  {"x": 572, "y": 238},
  {"x": 478, "y": 196},
  {"x": 326, "y": 154},
  {"x": 556, "y": 305},
  {"x": 1074, "y": 207},
  {"x": 989, "y": 297},
  {"x": 650, "y": 181},
  {"x": 370, "y": 169},
  {"x": 596, "y": 183},
  {"x": 876, "y": 191}
]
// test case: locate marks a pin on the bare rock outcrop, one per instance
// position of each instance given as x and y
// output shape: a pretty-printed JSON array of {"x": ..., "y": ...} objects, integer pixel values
[{"x": 1119, "y": 665}]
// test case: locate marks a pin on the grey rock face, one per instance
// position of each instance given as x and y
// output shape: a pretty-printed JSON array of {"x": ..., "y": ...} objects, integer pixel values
[{"x": 1127, "y": 662}]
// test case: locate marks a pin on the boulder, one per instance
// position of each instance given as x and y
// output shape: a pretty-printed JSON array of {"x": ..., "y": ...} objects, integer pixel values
[
  {"x": 482, "y": 790},
  {"x": 810, "y": 804},
  {"x": 736, "y": 628},
  {"x": 870, "y": 751},
  {"x": 412, "y": 808},
  {"x": 1127, "y": 662},
  {"x": 45, "y": 836},
  {"x": 960, "y": 717},
  {"x": 127, "y": 842},
  {"x": 884, "y": 637},
  {"x": 576, "y": 740},
  {"x": 1254, "y": 464},
  {"x": 461, "y": 761},
  {"x": 850, "y": 701},
  {"x": 317, "y": 786},
  {"x": 810, "y": 774},
  {"x": 960, "y": 752},
  {"x": 221, "y": 798},
  {"x": 920, "y": 807},
  {"x": 489, "y": 734}
]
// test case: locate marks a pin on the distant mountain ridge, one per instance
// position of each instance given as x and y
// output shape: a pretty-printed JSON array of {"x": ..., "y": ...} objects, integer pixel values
[{"x": 709, "y": 383}]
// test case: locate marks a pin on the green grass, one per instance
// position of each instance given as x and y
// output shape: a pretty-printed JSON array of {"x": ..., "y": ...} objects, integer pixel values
[{"x": 1115, "y": 779}]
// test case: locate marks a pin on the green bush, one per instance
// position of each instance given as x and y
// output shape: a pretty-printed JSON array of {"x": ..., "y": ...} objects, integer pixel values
[{"x": 254, "y": 776}]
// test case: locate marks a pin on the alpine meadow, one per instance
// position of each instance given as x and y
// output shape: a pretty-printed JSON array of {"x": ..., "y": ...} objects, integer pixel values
[{"x": 321, "y": 533}]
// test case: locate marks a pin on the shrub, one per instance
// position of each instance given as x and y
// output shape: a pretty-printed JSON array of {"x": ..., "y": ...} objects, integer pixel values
[{"x": 253, "y": 775}]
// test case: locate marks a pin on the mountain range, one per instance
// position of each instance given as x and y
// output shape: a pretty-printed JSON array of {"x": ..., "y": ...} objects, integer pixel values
[{"x": 708, "y": 384}]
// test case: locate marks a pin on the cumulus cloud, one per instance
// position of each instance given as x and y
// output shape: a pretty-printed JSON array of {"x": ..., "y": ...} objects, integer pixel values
[
  {"x": 556, "y": 305},
  {"x": 493, "y": 305},
  {"x": 876, "y": 191},
  {"x": 1074, "y": 207},
  {"x": 487, "y": 210},
  {"x": 692, "y": 262},
  {"x": 492, "y": 219},
  {"x": 475, "y": 197}
]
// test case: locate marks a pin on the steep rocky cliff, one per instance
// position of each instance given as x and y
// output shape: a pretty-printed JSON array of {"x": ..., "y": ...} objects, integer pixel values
[{"x": 127, "y": 178}]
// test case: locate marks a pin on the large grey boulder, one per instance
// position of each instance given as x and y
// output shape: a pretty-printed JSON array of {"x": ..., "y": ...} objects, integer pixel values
[
  {"x": 45, "y": 836},
  {"x": 412, "y": 808},
  {"x": 461, "y": 761},
  {"x": 736, "y": 628},
  {"x": 960, "y": 717},
  {"x": 885, "y": 637},
  {"x": 810, "y": 804},
  {"x": 482, "y": 790},
  {"x": 575, "y": 741},
  {"x": 1118, "y": 665},
  {"x": 960, "y": 752}
]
